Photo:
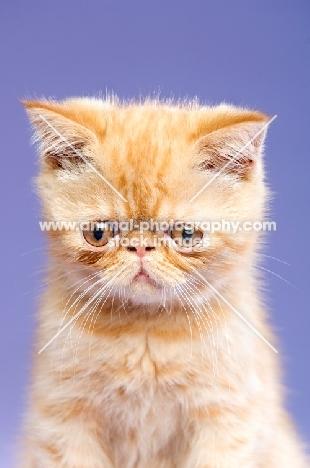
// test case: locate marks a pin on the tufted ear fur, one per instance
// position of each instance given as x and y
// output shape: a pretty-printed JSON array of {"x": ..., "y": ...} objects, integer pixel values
[
  {"x": 63, "y": 142},
  {"x": 234, "y": 149}
]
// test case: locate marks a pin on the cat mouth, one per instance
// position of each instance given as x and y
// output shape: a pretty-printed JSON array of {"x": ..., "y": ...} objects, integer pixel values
[{"x": 143, "y": 277}]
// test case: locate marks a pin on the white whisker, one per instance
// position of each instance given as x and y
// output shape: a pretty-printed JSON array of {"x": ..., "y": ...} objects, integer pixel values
[{"x": 78, "y": 313}]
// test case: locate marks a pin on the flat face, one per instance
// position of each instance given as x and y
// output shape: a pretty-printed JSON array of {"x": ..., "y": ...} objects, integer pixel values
[{"x": 143, "y": 184}]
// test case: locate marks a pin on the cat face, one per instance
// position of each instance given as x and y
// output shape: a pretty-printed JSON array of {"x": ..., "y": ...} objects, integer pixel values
[{"x": 128, "y": 177}]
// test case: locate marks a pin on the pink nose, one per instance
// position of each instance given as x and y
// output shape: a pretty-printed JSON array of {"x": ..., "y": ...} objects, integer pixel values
[{"x": 140, "y": 250}]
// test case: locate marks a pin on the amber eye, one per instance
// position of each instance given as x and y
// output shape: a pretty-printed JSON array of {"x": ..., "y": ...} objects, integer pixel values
[
  {"x": 98, "y": 233},
  {"x": 186, "y": 237}
]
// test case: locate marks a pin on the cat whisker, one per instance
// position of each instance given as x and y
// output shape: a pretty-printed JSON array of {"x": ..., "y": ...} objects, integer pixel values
[
  {"x": 86, "y": 317},
  {"x": 81, "y": 282},
  {"x": 217, "y": 318},
  {"x": 235, "y": 311},
  {"x": 275, "y": 274},
  {"x": 91, "y": 313},
  {"x": 195, "y": 318},
  {"x": 46, "y": 283},
  {"x": 80, "y": 296},
  {"x": 190, "y": 326},
  {"x": 275, "y": 258},
  {"x": 78, "y": 313},
  {"x": 200, "y": 316},
  {"x": 71, "y": 328},
  {"x": 33, "y": 250},
  {"x": 95, "y": 317}
]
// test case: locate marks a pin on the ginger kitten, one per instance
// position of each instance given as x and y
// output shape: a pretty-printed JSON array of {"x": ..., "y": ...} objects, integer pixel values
[{"x": 153, "y": 349}]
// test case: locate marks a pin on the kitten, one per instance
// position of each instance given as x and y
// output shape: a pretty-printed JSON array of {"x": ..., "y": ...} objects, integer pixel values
[{"x": 152, "y": 347}]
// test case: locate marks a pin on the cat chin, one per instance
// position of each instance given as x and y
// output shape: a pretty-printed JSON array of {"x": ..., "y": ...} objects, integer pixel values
[
  {"x": 143, "y": 292},
  {"x": 150, "y": 293}
]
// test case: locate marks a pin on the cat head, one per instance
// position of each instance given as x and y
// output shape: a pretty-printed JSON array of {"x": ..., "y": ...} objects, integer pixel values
[{"x": 142, "y": 184}]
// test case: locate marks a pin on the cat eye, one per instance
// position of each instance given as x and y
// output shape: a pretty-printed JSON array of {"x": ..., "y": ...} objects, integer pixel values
[
  {"x": 186, "y": 236},
  {"x": 98, "y": 233}
]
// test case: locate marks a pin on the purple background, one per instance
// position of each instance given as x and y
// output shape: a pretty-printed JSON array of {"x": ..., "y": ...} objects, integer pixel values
[{"x": 253, "y": 53}]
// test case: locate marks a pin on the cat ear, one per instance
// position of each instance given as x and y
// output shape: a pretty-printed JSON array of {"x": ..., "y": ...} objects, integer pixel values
[
  {"x": 234, "y": 150},
  {"x": 63, "y": 143}
]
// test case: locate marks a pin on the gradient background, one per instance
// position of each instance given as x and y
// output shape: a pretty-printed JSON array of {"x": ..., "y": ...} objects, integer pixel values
[{"x": 253, "y": 53}]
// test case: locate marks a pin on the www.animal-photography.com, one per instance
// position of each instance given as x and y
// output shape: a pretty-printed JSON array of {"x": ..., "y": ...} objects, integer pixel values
[{"x": 155, "y": 255}]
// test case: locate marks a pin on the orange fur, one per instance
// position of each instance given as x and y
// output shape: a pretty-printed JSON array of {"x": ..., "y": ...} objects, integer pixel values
[{"x": 158, "y": 373}]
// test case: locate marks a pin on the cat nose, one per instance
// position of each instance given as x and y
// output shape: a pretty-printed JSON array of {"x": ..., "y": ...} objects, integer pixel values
[
  {"x": 141, "y": 250},
  {"x": 141, "y": 242}
]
